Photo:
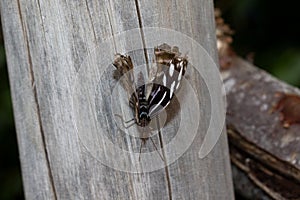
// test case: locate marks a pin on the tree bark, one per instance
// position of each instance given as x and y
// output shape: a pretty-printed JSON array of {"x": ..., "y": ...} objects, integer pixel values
[{"x": 261, "y": 145}]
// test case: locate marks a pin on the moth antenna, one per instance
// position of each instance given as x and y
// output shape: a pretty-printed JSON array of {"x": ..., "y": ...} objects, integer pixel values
[
  {"x": 142, "y": 142},
  {"x": 124, "y": 123},
  {"x": 157, "y": 150}
]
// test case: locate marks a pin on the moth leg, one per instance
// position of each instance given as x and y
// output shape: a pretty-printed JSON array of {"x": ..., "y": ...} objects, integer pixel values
[
  {"x": 157, "y": 149},
  {"x": 143, "y": 142},
  {"x": 124, "y": 123}
]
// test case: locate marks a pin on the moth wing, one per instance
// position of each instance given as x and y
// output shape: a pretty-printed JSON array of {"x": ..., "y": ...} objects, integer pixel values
[
  {"x": 124, "y": 66},
  {"x": 163, "y": 56},
  {"x": 170, "y": 69},
  {"x": 158, "y": 100}
]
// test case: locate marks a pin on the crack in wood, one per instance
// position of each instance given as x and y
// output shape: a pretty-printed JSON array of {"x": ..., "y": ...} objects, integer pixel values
[
  {"x": 142, "y": 34},
  {"x": 148, "y": 68},
  {"x": 36, "y": 99},
  {"x": 111, "y": 28},
  {"x": 262, "y": 155},
  {"x": 265, "y": 170},
  {"x": 89, "y": 13},
  {"x": 165, "y": 161}
]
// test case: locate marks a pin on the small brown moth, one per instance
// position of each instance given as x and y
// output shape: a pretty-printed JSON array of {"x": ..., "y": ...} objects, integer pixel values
[
  {"x": 148, "y": 100},
  {"x": 170, "y": 68}
]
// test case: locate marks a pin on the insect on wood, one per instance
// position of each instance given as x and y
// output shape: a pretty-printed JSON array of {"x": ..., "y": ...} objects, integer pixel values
[{"x": 148, "y": 99}]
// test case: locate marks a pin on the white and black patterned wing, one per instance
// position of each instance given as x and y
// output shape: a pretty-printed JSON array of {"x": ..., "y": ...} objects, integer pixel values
[{"x": 171, "y": 68}]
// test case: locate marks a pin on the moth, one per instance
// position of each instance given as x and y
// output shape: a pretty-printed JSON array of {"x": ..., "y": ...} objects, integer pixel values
[{"x": 149, "y": 99}]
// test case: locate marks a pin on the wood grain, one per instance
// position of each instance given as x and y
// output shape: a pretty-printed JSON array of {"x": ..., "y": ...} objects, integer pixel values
[{"x": 46, "y": 43}]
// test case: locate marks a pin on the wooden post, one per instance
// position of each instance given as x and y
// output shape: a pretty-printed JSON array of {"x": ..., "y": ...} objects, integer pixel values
[{"x": 46, "y": 43}]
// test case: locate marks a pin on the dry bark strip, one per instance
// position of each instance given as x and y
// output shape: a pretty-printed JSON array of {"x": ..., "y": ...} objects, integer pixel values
[{"x": 260, "y": 144}]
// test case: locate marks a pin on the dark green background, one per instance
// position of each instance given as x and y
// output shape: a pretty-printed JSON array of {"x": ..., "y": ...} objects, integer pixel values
[{"x": 269, "y": 29}]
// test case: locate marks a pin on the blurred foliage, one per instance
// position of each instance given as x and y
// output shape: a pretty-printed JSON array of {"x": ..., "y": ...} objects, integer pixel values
[
  {"x": 10, "y": 173},
  {"x": 268, "y": 30}
]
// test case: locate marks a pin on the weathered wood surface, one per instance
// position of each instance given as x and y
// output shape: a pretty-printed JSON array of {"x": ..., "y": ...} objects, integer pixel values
[
  {"x": 46, "y": 43},
  {"x": 260, "y": 145}
]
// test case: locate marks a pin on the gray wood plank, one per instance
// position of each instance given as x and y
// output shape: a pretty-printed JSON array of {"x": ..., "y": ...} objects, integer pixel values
[{"x": 59, "y": 55}]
